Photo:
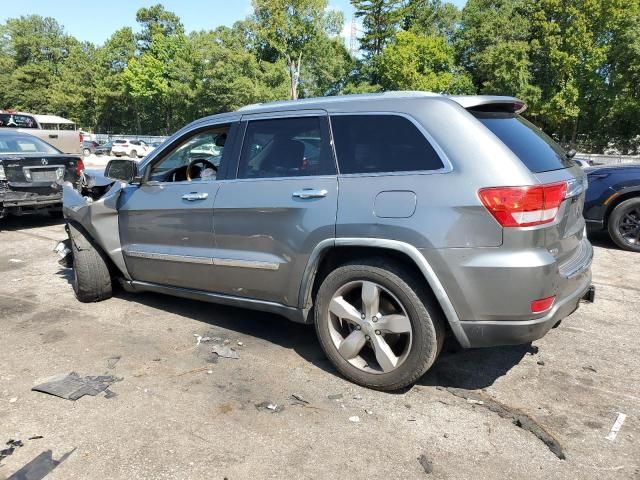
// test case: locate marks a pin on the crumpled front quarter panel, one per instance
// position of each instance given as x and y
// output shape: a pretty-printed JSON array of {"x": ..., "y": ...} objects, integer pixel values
[{"x": 99, "y": 218}]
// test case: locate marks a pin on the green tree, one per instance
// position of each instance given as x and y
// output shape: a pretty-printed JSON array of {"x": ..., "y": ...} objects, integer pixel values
[
  {"x": 416, "y": 62},
  {"x": 380, "y": 21},
  {"x": 291, "y": 28},
  {"x": 431, "y": 17}
]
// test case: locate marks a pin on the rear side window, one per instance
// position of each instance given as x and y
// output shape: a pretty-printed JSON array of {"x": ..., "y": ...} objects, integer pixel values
[
  {"x": 531, "y": 145},
  {"x": 381, "y": 143},
  {"x": 17, "y": 121}
]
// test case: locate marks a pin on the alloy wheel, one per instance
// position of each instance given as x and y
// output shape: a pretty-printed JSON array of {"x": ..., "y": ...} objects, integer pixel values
[
  {"x": 629, "y": 226},
  {"x": 369, "y": 327}
]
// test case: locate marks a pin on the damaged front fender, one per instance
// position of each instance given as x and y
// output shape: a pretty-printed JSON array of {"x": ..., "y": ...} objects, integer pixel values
[{"x": 99, "y": 218}]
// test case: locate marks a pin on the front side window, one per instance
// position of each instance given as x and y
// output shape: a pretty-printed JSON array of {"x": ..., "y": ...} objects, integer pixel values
[
  {"x": 196, "y": 158},
  {"x": 285, "y": 147},
  {"x": 380, "y": 144}
]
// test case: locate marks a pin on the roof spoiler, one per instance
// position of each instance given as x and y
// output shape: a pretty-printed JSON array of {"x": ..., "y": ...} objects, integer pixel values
[{"x": 490, "y": 103}]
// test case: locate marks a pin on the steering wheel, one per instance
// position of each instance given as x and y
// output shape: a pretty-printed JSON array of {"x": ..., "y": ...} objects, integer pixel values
[{"x": 204, "y": 164}]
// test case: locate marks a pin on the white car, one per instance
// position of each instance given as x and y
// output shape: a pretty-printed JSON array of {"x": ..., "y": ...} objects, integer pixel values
[{"x": 130, "y": 148}]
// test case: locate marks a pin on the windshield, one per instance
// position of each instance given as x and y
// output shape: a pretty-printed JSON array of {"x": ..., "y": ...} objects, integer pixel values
[
  {"x": 534, "y": 148},
  {"x": 25, "y": 144}
]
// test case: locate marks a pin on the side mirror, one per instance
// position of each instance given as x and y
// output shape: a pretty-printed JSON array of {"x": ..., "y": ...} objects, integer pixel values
[
  {"x": 571, "y": 153},
  {"x": 125, "y": 170}
]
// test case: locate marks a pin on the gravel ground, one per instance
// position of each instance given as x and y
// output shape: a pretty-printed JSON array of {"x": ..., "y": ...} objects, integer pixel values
[{"x": 177, "y": 415}]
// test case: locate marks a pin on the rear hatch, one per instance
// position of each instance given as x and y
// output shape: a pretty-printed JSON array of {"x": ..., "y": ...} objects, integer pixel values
[
  {"x": 38, "y": 172},
  {"x": 564, "y": 231}
]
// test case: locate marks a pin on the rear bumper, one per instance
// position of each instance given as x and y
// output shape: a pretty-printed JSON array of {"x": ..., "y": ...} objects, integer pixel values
[
  {"x": 493, "y": 333},
  {"x": 27, "y": 199}
]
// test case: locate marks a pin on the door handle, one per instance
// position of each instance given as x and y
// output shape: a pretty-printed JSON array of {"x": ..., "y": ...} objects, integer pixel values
[
  {"x": 310, "y": 193},
  {"x": 193, "y": 196}
]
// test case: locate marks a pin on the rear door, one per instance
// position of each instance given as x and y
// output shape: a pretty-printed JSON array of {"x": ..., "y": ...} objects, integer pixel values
[
  {"x": 166, "y": 222},
  {"x": 282, "y": 204},
  {"x": 549, "y": 163}
]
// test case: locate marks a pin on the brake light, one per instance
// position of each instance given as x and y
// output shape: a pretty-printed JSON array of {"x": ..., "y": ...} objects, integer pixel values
[
  {"x": 524, "y": 206},
  {"x": 79, "y": 167},
  {"x": 543, "y": 304}
]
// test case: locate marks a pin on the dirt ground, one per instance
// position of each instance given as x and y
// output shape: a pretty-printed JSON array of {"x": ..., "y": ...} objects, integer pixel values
[{"x": 177, "y": 416}]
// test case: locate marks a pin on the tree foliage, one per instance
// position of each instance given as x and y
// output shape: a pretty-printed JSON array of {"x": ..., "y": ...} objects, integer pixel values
[{"x": 576, "y": 63}]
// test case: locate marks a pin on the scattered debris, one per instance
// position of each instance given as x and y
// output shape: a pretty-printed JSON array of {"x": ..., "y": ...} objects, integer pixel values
[
  {"x": 240, "y": 344},
  {"x": 617, "y": 425},
  {"x": 357, "y": 397},
  {"x": 368, "y": 412},
  {"x": 533, "y": 350},
  {"x": 13, "y": 400},
  {"x": 225, "y": 351},
  {"x": 411, "y": 419},
  {"x": 540, "y": 362},
  {"x": 335, "y": 396},
  {"x": 35, "y": 437},
  {"x": 206, "y": 339},
  {"x": 354, "y": 419},
  {"x": 519, "y": 419},
  {"x": 425, "y": 463},
  {"x": 195, "y": 370},
  {"x": 407, "y": 405},
  {"x": 589, "y": 368},
  {"x": 72, "y": 386},
  {"x": 474, "y": 401},
  {"x": 112, "y": 361},
  {"x": 209, "y": 372},
  {"x": 40, "y": 466},
  {"x": 109, "y": 394},
  {"x": 15, "y": 260},
  {"x": 11, "y": 446},
  {"x": 270, "y": 407},
  {"x": 198, "y": 338},
  {"x": 156, "y": 360},
  {"x": 299, "y": 398}
]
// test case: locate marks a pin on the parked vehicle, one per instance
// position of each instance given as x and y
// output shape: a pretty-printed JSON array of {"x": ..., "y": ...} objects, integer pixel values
[
  {"x": 104, "y": 149},
  {"x": 89, "y": 147},
  {"x": 613, "y": 203},
  {"x": 130, "y": 148},
  {"x": 29, "y": 170},
  {"x": 57, "y": 131},
  {"x": 457, "y": 215}
]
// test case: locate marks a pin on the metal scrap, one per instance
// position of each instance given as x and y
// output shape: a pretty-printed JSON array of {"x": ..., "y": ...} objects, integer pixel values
[
  {"x": 72, "y": 386},
  {"x": 299, "y": 399},
  {"x": 269, "y": 407},
  {"x": 617, "y": 425},
  {"x": 11, "y": 447},
  {"x": 225, "y": 351}
]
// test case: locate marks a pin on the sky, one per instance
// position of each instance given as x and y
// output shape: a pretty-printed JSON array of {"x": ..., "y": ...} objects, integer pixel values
[{"x": 96, "y": 21}]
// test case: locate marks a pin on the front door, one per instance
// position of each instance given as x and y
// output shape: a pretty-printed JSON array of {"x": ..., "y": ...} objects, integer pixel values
[
  {"x": 166, "y": 223},
  {"x": 281, "y": 204}
]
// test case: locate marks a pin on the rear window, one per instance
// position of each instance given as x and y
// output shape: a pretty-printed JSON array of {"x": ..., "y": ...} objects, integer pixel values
[
  {"x": 380, "y": 144},
  {"x": 532, "y": 146},
  {"x": 17, "y": 121},
  {"x": 25, "y": 144}
]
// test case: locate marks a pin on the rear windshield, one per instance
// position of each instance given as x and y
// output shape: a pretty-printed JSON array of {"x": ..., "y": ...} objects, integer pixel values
[
  {"x": 25, "y": 144},
  {"x": 17, "y": 121},
  {"x": 536, "y": 149}
]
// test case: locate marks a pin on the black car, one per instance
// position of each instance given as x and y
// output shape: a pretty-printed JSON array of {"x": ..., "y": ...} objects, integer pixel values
[
  {"x": 31, "y": 171},
  {"x": 613, "y": 203},
  {"x": 104, "y": 149}
]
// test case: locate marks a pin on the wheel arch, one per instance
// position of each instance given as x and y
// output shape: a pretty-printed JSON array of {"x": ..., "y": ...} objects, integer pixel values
[
  {"x": 331, "y": 253},
  {"x": 624, "y": 194}
]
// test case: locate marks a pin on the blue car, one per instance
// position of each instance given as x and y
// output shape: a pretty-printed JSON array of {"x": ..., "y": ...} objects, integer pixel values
[{"x": 613, "y": 203}]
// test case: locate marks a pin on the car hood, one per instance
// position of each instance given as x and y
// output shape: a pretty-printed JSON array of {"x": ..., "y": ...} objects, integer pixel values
[{"x": 631, "y": 168}]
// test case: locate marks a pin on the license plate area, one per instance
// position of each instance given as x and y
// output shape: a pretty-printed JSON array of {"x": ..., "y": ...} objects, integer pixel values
[{"x": 49, "y": 174}]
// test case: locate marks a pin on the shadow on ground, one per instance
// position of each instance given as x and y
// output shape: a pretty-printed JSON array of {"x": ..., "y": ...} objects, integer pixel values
[{"x": 30, "y": 220}]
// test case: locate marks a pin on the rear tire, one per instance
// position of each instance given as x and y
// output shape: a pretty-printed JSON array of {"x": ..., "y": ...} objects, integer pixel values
[
  {"x": 624, "y": 224},
  {"x": 395, "y": 286},
  {"x": 91, "y": 277}
]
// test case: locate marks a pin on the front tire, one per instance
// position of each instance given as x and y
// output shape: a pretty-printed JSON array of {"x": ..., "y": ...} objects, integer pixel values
[
  {"x": 91, "y": 277},
  {"x": 624, "y": 224},
  {"x": 378, "y": 324}
]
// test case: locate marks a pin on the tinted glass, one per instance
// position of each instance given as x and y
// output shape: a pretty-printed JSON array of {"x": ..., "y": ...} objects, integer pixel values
[
  {"x": 536, "y": 150},
  {"x": 286, "y": 147},
  {"x": 25, "y": 144},
  {"x": 381, "y": 143},
  {"x": 17, "y": 121}
]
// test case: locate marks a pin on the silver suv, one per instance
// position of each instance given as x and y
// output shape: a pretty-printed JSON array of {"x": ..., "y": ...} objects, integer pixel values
[{"x": 386, "y": 220}]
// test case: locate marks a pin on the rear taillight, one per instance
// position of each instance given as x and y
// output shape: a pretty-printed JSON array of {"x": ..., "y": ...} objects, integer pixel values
[
  {"x": 542, "y": 305},
  {"x": 81, "y": 137},
  {"x": 79, "y": 167},
  {"x": 524, "y": 206}
]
